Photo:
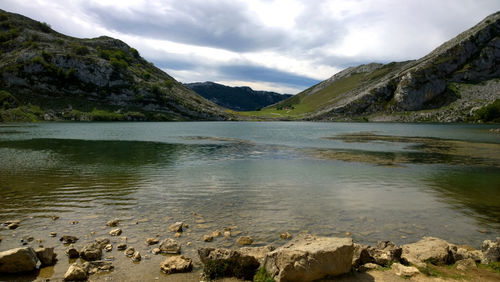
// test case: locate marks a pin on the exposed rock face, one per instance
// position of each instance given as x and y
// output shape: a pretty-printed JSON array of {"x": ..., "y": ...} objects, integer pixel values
[
  {"x": 227, "y": 263},
  {"x": 18, "y": 260},
  {"x": 91, "y": 252},
  {"x": 75, "y": 272},
  {"x": 466, "y": 264},
  {"x": 259, "y": 253},
  {"x": 308, "y": 258},
  {"x": 170, "y": 246},
  {"x": 491, "y": 251},
  {"x": 46, "y": 256},
  {"x": 429, "y": 249},
  {"x": 176, "y": 264}
]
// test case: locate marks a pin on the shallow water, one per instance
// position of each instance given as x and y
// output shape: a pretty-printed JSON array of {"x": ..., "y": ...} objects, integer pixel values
[{"x": 260, "y": 179}]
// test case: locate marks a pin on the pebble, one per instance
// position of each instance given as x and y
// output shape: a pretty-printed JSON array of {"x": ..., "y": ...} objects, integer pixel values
[
  {"x": 208, "y": 238},
  {"x": 108, "y": 248},
  {"x": 152, "y": 241},
  {"x": 156, "y": 251},
  {"x": 286, "y": 236},
  {"x": 115, "y": 232},
  {"x": 54, "y": 217},
  {"x": 130, "y": 251},
  {"x": 136, "y": 256},
  {"x": 121, "y": 247},
  {"x": 53, "y": 234}
]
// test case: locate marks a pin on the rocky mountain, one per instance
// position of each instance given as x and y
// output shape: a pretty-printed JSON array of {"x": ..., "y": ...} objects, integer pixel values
[
  {"x": 51, "y": 76},
  {"x": 458, "y": 81},
  {"x": 236, "y": 98}
]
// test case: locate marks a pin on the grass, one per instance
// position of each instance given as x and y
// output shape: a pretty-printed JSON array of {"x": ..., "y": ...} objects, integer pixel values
[
  {"x": 263, "y": 276},
  {"x": 489, "y": 113}
]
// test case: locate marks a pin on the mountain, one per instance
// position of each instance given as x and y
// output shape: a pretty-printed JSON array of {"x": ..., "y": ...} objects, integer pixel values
[
  {"x": 236, "y": 98},
  {"x": 458, "y": 81},
  {"x": 51, "y": 76}
]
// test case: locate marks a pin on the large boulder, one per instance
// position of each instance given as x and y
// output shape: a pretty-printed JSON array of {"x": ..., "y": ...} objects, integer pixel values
[
  {"x": 491, "y": 251},
  {"x": 176, "y": 264},
  {"x": 18, "y": 260},
  {"x": 46, "y": 256},
  {"x": 308, "y": 258},
  {"x": 91, "y": 252},
  {"x": 428, "y": 250},
  {"x": 219, "y": 263}
]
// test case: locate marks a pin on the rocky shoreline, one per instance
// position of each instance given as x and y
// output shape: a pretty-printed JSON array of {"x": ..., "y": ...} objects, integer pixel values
[{"x": 303, "y": 258}]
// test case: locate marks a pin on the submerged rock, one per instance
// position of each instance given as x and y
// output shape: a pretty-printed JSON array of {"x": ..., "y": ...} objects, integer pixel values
[
  {"x": 102, "y": 242},
  {"x": 244, "y": 240},
  {"x": 176, "y": 264},
  {"x": 121, "y": 247},
  {"x": 91, "y": 252},
  {"x": 308, "y": 258},
  {"x": 176, "y": 227},
  {"x": 170, "y": 246},
  {"x": 18, "y": 260},
  {"x": 93, "y": 267},
  {"x": 46, "y": 256},
  {"x": 115, "y": 232},
  {"x": 152, "y": 241},
  {"x": 218, "y": 263},
  {"x": 67, "y": 239},
  {"x": 208, "y": 238},
  {"x": 286, "y": 236},
  {"x": 429, "y": 249},
  {"x": 75, "y": 272},
  {"x": 113, "y": 222}
]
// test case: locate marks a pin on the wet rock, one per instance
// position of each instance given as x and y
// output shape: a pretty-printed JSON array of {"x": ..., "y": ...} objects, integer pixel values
[
  {"x": 74, "y": 222},
  {"x": 13, "y": 224},
  {"x": 93, "y": 267},
  {"x": 129, "y": 252},
  {"x": 115, "y": 232},
  {"x": 429, "y": 249},
  {"x": 152, "y": 241},
  {"x": 102, "y": 242},
  {"x": 75, "y": 272},
  {"x": 18, "y": 260},
  {"x": 216, "y": 234},
  {"x": 361, "y": 255},
  {"x": 121, "y": 247},
  {"x": 156, "y": 251},
  {"x": 244, "y": 240},
  {"x": 286, "y": 236},
  {"x": 176, "y": 264},
  {"x": 108, "y": 248},
  {"x": 54, "y": 217},
  {"x": 307, "y": 258},
  {"x": 367, "y": 267},
  {"x": 136, "y": 256},
  {"x": 404, "y": 271},
  {"x": 466, "y": 253},
  {"x": 72, "y": 252},
  {"x": 30, "y": 238},
  {"x": 220, "y": 262},
  {"x": 67, "y": 239},
  {"x": 46, "y": 256},
  {"x": 385, "y": 252},
  {"x": 208, "y": 238},
  {"x": 259, "y": 253},
  {"x": 466, "y": 265},
  {"x": 91, "y": 252},
  {"x": 176, "y": 227},
  {"x": 491, "y": 251},
  {"x": 113, "y": 222},
  {"x": 178, "y": 234},
  {"x": 227, "y": 234},
  {"x": 170, "y": 246},
  {"x": 53, "y": 234}
]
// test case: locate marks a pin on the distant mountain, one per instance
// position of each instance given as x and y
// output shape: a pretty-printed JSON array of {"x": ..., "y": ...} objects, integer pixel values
[
  {"x": 458, "y": 81},
  {"x": 46, "y": 75},
  {"x": 236, "y": 98}
]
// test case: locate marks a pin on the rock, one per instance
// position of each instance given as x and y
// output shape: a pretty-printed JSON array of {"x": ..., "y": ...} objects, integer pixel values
[
  {"x": 53, "y": 234},
  {"x": 91, "y": 252},
  {"x": 385, "y": 252},
  {"x": 108, "y": 248},
  {"x": 121, "y": 247},
  {"x": 176, "y": 264},
  {"x": 307, "y": 258},
  {"x": 152, "y": 241},
  {"x": 466, "y": 264},
  {"x": 463, "y": 253},
  {"x": 46, "y": 256},
  {"x": 178, "y": 234},
  {"x": 67, "y": 239},
  {"x": 115, "y": 232},
  {"x": 102, "y": 242},
  {"x": 404, "y": 271},
  {"x": 216, "y": 234},
  {"x": 136, "y": 256},
  {"x": 72, "y": 252},
  {"x": 170, "y": 246},
  {"x": 244, "y": 240},
  {"x": 156, "y": 251},
  {"x": 93, "y": 267},
  {"x": 129, "y": 252},
  {"x": 286, "y": 236},
  {"x": 176, "y": 227},
  {"x": 18, "y": 260},
  {"x": 227, "y": 234},
  {"x": 13, "y": 224},
  {"x": 219, "y": 263},
  {"x": 54, "y": 217},
  {"x": 491, "y": 251},
  {"x": 208, "y": 238},
  {"x": 75, "y": 272},
  {"x": 259, "y": 253},
  {"x": 361, "y": 256},
  {"x": 113, "y": 222},
  {"x": 367, "y": 267},
  {"x": 429, "y": 249}
]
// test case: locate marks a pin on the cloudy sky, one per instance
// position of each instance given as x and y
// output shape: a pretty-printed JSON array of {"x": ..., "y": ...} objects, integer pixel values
[{"x": 279, "y": 45}]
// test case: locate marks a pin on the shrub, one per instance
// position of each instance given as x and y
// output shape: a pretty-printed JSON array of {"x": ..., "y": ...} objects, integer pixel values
[
  {"x": 44, "y": 27},
  {"x": 81, "y": 50},
  {"x": 169, "y": 84},
  {"x": 263, "y": 276},
  {"x": 3, "y": 17},
  {"x": 46, "y": 55},
  {"x": 490, "y": 113},
  {"x": 134, "y": 53},
  {"x": 118, "y": 63},
  {"x": 59, "y": 42},
  {"x": 147, "y": 75}
]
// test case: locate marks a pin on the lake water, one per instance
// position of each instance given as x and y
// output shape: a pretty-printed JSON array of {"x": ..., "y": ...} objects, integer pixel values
[{"x": 371, "y": 181}]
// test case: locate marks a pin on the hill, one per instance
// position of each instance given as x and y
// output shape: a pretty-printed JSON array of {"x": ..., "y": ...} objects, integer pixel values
[
  {"x": 236, "y": 98},
  {"x": 458, "y": 81},
  {"x": 46, "y": 75}
]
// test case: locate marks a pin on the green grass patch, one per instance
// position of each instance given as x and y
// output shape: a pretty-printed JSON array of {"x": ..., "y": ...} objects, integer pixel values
[
  {"x": 263, "y": 276},
  {"x": 489, "y": 113}
]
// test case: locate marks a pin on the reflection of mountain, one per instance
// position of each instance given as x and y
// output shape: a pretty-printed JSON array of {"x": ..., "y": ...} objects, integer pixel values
[{"x": 475, "y": 192}]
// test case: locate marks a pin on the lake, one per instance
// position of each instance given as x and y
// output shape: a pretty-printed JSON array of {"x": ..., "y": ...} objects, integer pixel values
[{"x": 370, "y": 181}]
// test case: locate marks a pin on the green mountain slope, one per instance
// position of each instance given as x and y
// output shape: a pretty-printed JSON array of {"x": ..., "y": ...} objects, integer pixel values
[
  {"x": 236, "y": 98},
  {"x": 46, "y": 75},
  {"x": 451, "y": 83}
]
